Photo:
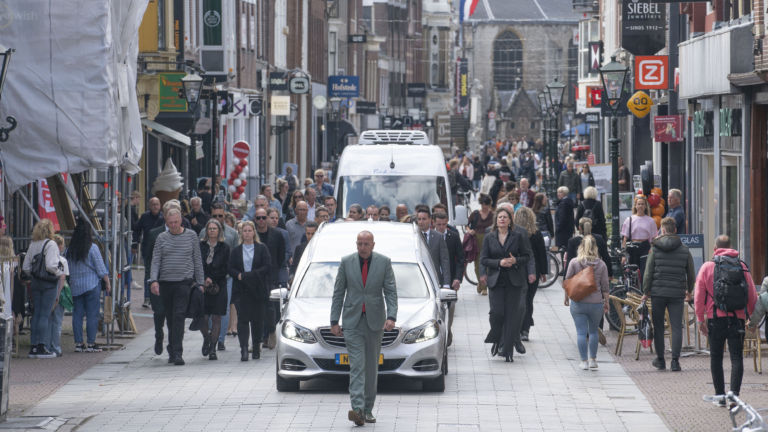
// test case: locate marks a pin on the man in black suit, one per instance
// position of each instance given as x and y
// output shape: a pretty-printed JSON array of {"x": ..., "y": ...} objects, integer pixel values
[
  {"x": 276, "y": 245},
  {"x": 455, "y": 258},
  {"x": 309, "y": 231}
]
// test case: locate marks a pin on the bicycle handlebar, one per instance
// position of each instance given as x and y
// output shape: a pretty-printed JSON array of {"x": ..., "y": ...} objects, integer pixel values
[{"x": 754, "y": 421}]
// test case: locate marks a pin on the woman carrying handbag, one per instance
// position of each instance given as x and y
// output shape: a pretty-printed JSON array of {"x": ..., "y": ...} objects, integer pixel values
[
  {"x": 586, "y": 292},
  {"x": 249, "y": 266},
  {"x": 215, "y": 254}
]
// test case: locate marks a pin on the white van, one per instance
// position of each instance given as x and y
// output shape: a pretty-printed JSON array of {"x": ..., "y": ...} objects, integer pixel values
[{"x": 394, "y": 167}]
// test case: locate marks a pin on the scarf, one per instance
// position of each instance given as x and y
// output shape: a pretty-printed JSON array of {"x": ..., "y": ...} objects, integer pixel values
[{"x": 209, "y": 259}]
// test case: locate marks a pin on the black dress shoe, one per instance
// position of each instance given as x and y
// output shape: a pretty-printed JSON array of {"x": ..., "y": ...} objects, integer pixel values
[
  {"x": 256, "y": 354},
  {"x": 524, "y": 336},
  {"x": 509, "y": 359},
  {"x": 357, "y": 416},
  {"x": 171, "y": 359},
  {"x": 159, "y": 346},
  {"x": 206, "y": 345},
  {"x": 213, "y": 356},
  {"x": 244, "y": 354},
  {"x": 494, "y": 350},
  {"x": 265, "y": 343},
  {"x": 220, "y": 347},
  {"x": 178, "y": 361},
  {"x": 519, "y": 347}
]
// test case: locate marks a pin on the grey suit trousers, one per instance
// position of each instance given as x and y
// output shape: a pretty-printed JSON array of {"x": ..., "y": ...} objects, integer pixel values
[{"x": 364, "y": 348}]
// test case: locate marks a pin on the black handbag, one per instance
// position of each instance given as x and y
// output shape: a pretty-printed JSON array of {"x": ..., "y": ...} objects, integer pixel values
[
  {"x": 38, "y": 268},
  {"x": 212, "y": 289}
]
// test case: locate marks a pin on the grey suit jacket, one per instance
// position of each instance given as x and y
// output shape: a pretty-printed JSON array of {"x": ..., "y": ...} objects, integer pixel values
[
  {"x": 530, "y": 266},
  {"x": 349, "y": 294},
  {"x": 440, "y": 258}
]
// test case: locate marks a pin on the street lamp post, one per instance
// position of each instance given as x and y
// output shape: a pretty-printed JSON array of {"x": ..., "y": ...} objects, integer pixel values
[
  {"x": 569, "y": 115},
  {"x": 193, "y": 84},
  {"x": 613, "y": 76},
  {"x": 5, "y": 54},
  {"x": 545, "y": 142}
]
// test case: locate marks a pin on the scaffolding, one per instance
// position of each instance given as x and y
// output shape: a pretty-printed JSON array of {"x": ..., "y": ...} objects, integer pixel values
[{"x": 95, "y": 195}]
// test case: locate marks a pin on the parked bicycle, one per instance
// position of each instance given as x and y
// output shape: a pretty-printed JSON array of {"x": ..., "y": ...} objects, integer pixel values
[
  {"x": 555, "y": 265},
  {"x": 754, "y": 418},
  {"x": 628, "y": 282}
]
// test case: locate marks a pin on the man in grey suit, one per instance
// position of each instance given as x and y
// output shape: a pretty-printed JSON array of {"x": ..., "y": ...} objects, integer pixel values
[
  {"x": 363, "y": 279},
  {"x": 437, "y": 247}
]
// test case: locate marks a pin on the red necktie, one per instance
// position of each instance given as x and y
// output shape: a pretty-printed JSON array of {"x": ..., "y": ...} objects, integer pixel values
[{"x": 365, "y": 277}]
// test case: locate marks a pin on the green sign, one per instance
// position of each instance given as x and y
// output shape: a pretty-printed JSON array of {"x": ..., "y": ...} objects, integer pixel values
[
  {"x": 170, "y": 90},
  {"x": 212, "y": 22}
]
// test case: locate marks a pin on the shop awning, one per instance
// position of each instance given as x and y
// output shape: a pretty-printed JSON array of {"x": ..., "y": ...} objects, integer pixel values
[
  {"x": 582, "y": 129},
  {"x": 158, "y": 129}
]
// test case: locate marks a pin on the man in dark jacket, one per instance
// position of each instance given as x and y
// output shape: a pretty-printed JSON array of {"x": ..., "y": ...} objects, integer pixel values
[
  {"x": 669, "y": 279},
  {"x": 141, "y": 234},
  {"x": 197, "y": 217},
  {"x": 309, "y": 231},
  {"x": 564, "y": 222},
  {"x": 455, "y": 259},
  {"x": 276, "y": 246},
  {"x": 570, "y": 179}
]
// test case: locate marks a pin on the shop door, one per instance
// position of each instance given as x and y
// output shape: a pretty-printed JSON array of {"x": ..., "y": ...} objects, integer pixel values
[
  {"x": 730, "y": 200},
  {"x": 705, "y": 166}
]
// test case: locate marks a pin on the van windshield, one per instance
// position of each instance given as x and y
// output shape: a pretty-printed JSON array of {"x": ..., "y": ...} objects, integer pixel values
[{"x": 390, "y": 191}]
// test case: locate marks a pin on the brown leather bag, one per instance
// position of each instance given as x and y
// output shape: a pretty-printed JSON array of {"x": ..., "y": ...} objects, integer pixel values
[{"x": 581, "y": 284}]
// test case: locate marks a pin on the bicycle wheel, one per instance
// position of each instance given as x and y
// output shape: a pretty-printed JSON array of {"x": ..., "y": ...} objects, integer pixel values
[
  {"x": 554, "y": 271},
  {"x": 612, "y": 317},
  {"x": 469, "y": 278}
]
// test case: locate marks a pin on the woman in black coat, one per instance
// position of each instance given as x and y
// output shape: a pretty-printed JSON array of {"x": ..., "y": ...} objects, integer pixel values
[
  {"x": 525, "y": 218},
  {"x": 505, "y": 256},
  {"x": 249, "y": 266},
  {"x": 215, "y": 254},
  {"x": 590, "y": 202},
  {"x": 585, "y": 228}
]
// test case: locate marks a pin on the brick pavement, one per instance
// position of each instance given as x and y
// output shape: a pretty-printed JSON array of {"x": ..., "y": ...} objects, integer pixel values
[
  {"x": 677, "y": 396},
  {"x": 134, "y": 390}
]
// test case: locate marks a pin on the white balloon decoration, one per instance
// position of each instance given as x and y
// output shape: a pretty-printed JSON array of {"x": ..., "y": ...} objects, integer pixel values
[
  {"x": 242, "y": 176},
  {"x": 236, "y": 161},
  {"x": 237, "y": 182},
  {"x": 232, "y": 189}
]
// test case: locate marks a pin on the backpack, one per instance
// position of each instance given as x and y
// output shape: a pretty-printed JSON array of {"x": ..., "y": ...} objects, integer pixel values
[
  {"x": 590, "y": 213},
  {"x": 730, "y": 288},
  {"x": 452, "y": 179},
  {"x": 38, "y": 269}
]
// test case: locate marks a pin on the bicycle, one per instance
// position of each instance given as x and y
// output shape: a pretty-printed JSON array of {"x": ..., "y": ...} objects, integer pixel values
[
  {"x": 463, "y": 198},
  {"x": 554, "y": 268},
  {"x": 629, "y": 282},
  {"x": 754, "y": 421}
]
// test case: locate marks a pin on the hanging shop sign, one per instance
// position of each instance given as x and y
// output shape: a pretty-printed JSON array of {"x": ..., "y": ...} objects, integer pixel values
[
  {"x": 640, "y": 104},
  {"x": 417, "y": 89},
  {"x": 170, "y": 92},
  {"x": 357, "y": 38},
  {"x": 344, "y": 86},
  {"x": 592, "y": 118},
  {"x": 256, "y": 106},
  {"x": 652, "y": 72},
  {"x": 595, "y": 56},
  {"x": 463, "y": 84},
  {"x": 281, "y": 106},
  {"x": 643, "y": 27},
  {"x": 366, "y": 107},
  {"x": 278, "y": 81},
  {"x": 668, "y": 128},
  {"x": 299, "y": 85},
  {"x": 594, "y": 96}
]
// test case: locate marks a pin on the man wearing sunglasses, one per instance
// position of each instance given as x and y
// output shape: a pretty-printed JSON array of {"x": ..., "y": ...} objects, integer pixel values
[
  {"x": 276, "y": 246},
  {"x": 232, "y": 239},
  {"x": 322, "y": 188}
]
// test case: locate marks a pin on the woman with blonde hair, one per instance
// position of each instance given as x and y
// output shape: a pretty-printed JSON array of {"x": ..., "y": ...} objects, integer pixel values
[
  {"x": 526, "y": 218},
  {"x": 588, "y": 312},
  {"x": 249, "y": 266},
  {"x": 44, "y": 292},
  {"x": 638, "y": 230}
]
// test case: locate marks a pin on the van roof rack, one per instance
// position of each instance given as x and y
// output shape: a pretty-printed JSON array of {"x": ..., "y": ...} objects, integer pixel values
[{"x": 408, "y": 137}]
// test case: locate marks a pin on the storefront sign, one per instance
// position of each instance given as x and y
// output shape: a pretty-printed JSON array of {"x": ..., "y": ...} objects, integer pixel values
[
  {"x": 668, "y": 128},
  {"x": 170, "y": 89},
  {"x": 212, "y": 22},
  {"x": 366, "y": 107},
  {"x": 592, "y": 118},
  {"x": 357, "y": 38},
  {"x": 299, "y": 85},
  {"x": 695, "y": 243},
  {"x": 594, "y": 96},
  {"x": 345, "y": 86},
  {"x": 643, "y": 26},
  {"x": 730, "y": 122},
  {"x": 277, "y": 81},
  {"x": 640, "y": 104},
  {"x": 417, "y": 90},
  {"x": 281, "y": 106},
  {"x": 652, "y": 72},
  {"x": 703, "y": 123},
  {"x": 595, "y": 56}
]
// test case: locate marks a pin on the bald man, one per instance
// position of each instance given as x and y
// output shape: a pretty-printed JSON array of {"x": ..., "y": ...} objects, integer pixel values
[
  {"x": 363, "y": 278},
  {"x": 401, "y": 211},
  {"x": 295, "y": 226}
]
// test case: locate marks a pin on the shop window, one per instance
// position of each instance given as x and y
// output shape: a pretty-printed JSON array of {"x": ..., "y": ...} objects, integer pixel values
[{"x": 730, "y": 196}]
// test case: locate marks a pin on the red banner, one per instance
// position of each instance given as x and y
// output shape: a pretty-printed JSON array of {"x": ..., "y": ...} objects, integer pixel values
[
  {"x": 45, "y": 207},
  {"x": 223, "y": 168}
]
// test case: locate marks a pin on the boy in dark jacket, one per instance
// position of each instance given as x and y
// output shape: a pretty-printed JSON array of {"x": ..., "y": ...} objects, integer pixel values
[{"x": 669, "y": 280}]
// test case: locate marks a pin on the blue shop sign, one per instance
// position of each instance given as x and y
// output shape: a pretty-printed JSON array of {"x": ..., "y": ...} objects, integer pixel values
[{"x": 345, "y": 86}]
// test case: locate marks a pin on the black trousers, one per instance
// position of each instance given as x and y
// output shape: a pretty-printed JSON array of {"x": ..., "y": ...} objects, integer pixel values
[
  {"x": 529, "y": 295},
  {"x": 639, "y": 255},
  {"x": 506, "y": 314},
  {"x": 720, "y": 330},
  {"x": 158, "y": 314},
  {"x": 175, "y": 296},
  {"x": 250, "y": 322},
  {"x": 675, "y": 307}
]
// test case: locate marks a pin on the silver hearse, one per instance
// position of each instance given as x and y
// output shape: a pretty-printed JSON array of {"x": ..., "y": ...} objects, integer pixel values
[{"x": 414, "y": 349}]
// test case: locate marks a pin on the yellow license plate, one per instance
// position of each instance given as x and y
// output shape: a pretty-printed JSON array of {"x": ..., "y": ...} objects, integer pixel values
[{"x": 343, "y": 359}]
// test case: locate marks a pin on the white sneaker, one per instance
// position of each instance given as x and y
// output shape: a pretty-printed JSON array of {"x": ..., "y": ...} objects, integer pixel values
[
  {"x": 584, "y": 366},
  {"x": 593, "y": 364}
]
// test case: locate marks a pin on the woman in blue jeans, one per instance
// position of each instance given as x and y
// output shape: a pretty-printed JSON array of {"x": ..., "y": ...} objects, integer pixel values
[
  {"x": 588, "y": 312},
  {"x": 44, "y": 290},
  {"x": 86, "y": 270}
]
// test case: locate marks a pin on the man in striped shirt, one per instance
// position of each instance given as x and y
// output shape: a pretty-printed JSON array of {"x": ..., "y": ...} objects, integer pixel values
[{"x": 176, "y": 267}]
